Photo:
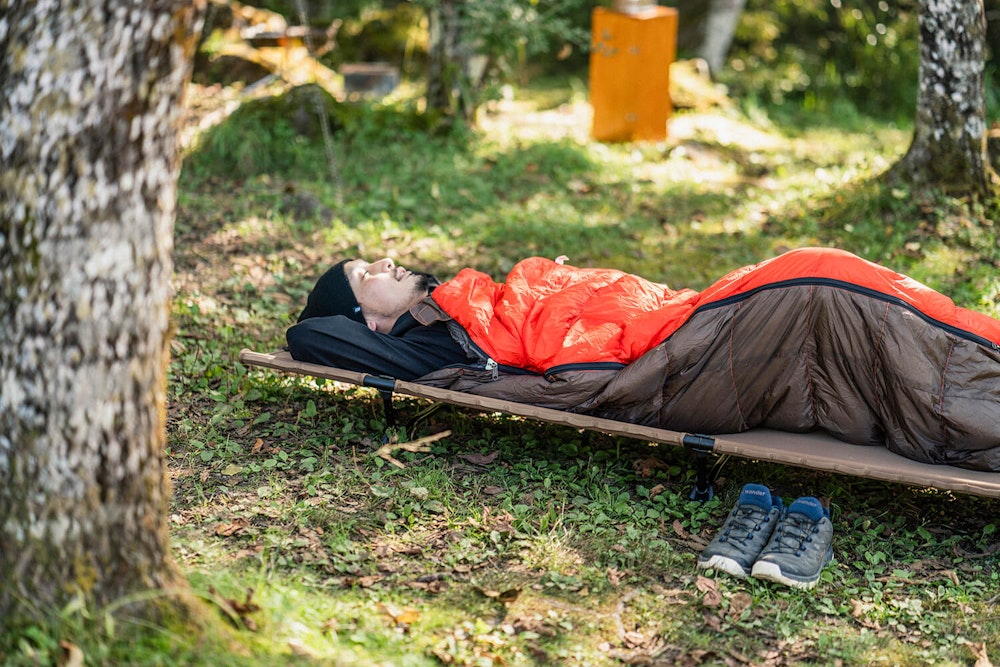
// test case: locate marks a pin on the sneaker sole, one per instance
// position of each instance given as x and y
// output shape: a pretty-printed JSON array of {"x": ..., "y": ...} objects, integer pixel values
[
  {"x": 771, "y": 572},
  {"x": 723, "y": 564}
]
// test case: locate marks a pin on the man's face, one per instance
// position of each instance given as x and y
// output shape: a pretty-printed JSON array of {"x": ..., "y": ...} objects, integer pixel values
[{"x": 383, "y": 289}]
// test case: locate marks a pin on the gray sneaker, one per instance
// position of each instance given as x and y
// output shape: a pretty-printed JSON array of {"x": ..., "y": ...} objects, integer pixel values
[
  {"x": 745, "y": 532},
  {"x": 800, "y": 547}
]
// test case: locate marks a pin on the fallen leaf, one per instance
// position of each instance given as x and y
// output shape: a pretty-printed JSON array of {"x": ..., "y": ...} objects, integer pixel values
[
  {"x": 248, "y": 606},
  {"x": 656, "y": 490},
  {"x": 712, "y": 597},
  {"x": 232, "y": 469},
  {"x": 405, "y": 616},
  {"x": 633, "y": 639},
  {"x": 492, "y": 490},
  {"x": 297, "y": 647},
  {"x": 237, "y": 612},
  {"x": 680, "y": 530},
  {"x": 859, "y": 610},
  {"x": 438, "y": 586},
  {"x": 72, "y": 656},
  {"x": 645, "y": 467},
  {"x": 232, "y": 528},
  {"x": 258, "y": 443},
  {"x": 738, "y": 604},
  {"x": 979, "y": 652},
  {"x": 506, "y": 597},
  {"x": 479, "y": 459}
]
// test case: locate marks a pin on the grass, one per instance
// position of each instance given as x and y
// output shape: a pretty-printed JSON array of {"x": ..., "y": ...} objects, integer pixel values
[{"x": 513, "y": 542}]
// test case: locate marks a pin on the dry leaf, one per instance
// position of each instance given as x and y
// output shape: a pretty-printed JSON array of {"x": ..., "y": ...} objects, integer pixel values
[
  {"x": 405, "y": 616},
  {"x": 297, "y": 647},
  {"x": 859, "y": 610},
  {"x": 633, "y": 639},
  {"x": 492, "y": 490},
  {"x": 437, "y": 586},
  {"x": 71, "y": 656},
  {"x": 738, "y": 604},
  {"x": 479, "y": 459},
  {"x": 506, "y": 597},
  {"x": 646, "y": 466},
  {"x": 679, "y": 529},
  {"x": 979, "y": 651},
  {"x": 713, "y": 621},
  {"x": 229, "y": 529},
  {"x": 238, "y": 612},
  {"x": 258, "y": 443},
  {"x": 712, "y": 597}
]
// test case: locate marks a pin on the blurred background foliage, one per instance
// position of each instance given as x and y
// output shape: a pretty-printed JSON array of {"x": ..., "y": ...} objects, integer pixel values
[{"x": 806, "y": 55}]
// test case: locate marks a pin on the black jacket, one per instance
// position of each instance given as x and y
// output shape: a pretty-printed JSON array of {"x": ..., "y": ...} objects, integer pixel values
[{"x": 409, "y": 351}]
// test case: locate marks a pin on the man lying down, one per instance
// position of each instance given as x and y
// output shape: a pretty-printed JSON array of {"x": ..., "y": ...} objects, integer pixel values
[{"x": 815, "y": 338}]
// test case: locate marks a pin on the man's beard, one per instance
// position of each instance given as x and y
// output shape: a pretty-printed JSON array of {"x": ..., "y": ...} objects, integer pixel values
[{"x": 424, "y": 283}]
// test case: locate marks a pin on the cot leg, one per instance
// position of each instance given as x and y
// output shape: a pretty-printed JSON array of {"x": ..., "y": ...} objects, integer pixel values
[
  {"x": 388, "y": 410},
  {"x": 703, "y": 489}
]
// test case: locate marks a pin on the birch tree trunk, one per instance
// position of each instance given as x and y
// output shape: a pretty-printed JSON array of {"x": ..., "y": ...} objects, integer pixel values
[
  {"x": 949, "y": 140},
  {"x": 90, "y": 95}
]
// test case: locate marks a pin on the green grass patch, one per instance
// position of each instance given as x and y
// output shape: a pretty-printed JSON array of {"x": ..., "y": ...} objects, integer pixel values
[{"x": 513, "y": 542}]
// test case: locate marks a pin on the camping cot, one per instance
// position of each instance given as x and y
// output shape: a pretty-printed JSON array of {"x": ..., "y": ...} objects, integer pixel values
[{"x": 813, "y": 450}]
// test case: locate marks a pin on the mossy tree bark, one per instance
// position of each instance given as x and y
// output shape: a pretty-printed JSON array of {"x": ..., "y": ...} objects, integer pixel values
[
  {"x": 948, "y": 150},
  {"x": 90, "y": 96}
]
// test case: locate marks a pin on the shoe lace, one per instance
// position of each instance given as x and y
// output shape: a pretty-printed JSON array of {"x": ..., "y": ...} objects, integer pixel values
[
  {"x": 744, "y": 522},
  {"x": 793, "y": 535}
]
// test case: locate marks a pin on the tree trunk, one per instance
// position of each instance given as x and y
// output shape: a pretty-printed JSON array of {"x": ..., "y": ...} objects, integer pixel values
[
  {"x": 949, "y": 140},
  {"x": 454, "y": 71},
  {"x": 706, "y": 29},
  {"x": 90, "y": 96}
]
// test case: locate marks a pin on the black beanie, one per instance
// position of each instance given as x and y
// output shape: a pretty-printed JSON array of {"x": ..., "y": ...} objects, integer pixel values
[{"x": 333, "y": 295}]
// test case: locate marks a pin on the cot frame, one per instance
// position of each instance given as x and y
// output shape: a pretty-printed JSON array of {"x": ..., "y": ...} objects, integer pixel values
[{"x": 816, "y": 451}]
